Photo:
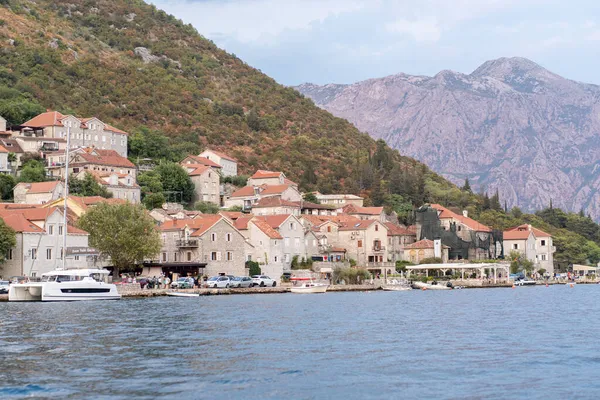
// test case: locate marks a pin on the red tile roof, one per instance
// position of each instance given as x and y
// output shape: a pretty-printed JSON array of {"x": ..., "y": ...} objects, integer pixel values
[
  {"x": 266, "y": 228},
  {"x": 275, "y": 189},
  {"x": 195, "y": 169},
  {"x": 468, "y": 222},
  {"x": 536, "y": 231},
  {"x": 113, "y": 159},
  {"x": 243, "y": 192},
  {"x": 49, "y": 118},
  {"x": 202, "y": 161},
  {"x": 232, "y": 215},
  {"x": 222, "y": 155},
  {"x": 423, "y": 244},
  {"x": 354, "y": 209},
  {"x": 241, "y": 223},
  {"x": 275, "y": 221},
  {"x": 113, "y": 129},
  {"x": 40, "y": 187},
  {"x": 359, "y": 226},
  {"x": 198, "y": 225},
  {"x": 20, "y": 224},
  {"x": 3, "y": 149},
  {"x": 395, "y": 230},
  {"x": 275, "y": 201},
  {"x": 263, "y": 174},
  {"x": 516, "y": 235}
]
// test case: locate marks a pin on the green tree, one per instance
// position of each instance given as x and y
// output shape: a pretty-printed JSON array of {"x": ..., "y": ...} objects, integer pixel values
[
  {"x": 254, "y": 268},
  {"x": 33, "y": 171},
  {"x": 206, "y": 207},
  {"x": 467, "y": 186},
  {"x": 8, "y": 240},
  {"x": 7, "y": 183},
  {"x": 124, "y": 232},
  {"x": 87, "y": 187},
  {"x": 153, "y": 200},
  {"x": 310, "y": 197},
  {"x": 175, "y": 181}
]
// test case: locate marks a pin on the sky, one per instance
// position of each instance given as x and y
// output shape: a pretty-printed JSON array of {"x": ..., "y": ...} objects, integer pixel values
[{"x": 345, "y": 41}]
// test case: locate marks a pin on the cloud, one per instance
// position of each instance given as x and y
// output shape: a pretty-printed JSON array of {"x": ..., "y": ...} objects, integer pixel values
[
  {"x": 425, "y": 30},
  {"x": 250, "y": 21}
]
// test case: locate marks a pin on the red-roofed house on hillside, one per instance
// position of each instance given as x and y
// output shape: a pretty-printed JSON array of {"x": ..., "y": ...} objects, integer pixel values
[
  {"x": 248, "y": 196},
  {"x": 418, "y": 251},
  {"x": 263, "y": 177},
  {"x": 122, "y": 186},
  {"x": 366, "y": 242},
  {"x": 39, "y": 241},
  {"x": 398, "y": 239},
  {"x": 228, "y": 163},
  {"x": 98, "y": 160},
  {"x": 207, "y": 245},
  {"x": 206, "y": 180},
  {"x": 375, "y": 213},
  {"x": 38, "y": 192},
  {"x": 85, "y": 132},
  {"x": 477, "y": 236},
  {"x": 275, "y": 206},
  {"x": 535, "y": 244}
]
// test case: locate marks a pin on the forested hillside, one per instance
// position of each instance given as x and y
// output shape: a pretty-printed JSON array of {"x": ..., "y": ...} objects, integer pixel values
[{"x": 146, "y": 72}]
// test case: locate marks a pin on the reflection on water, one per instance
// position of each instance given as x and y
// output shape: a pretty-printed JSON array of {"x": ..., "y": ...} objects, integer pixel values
[{"x": 498, "y": 343}]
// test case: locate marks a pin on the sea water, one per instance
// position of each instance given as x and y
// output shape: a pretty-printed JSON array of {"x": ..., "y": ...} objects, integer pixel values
[{"x": 529, "y": 342}]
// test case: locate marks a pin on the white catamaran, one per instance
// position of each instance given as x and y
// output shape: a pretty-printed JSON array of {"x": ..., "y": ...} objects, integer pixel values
[{"x": 64, "y": 284}]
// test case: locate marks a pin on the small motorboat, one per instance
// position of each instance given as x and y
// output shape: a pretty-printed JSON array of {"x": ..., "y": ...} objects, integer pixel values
[
  {"x": 396, "y": 288},
  {"x": 525, "y": 282},
  {"x": 306, "y": 285},
  {"x": 179, "y": 294},
  {"x": 430, "y": 286}
]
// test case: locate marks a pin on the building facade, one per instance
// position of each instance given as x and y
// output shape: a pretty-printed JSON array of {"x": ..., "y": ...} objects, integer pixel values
[{"x": 229, "y": 164}]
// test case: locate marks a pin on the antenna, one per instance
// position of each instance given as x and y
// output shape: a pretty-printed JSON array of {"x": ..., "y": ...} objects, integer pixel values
[{"x": 64, "y": 252}]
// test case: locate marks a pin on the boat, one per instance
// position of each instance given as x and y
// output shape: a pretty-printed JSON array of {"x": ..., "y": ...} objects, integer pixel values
[
  {"x": 179, "y": 294},
  {"x": 306, "y": 285},
  {"x": 66, "y": 285},
  {"x": 395, "y": 288},
  {"x": 572, "y": 284},
  {"x": 525, "y": 282},
  {"x": 430, "y": 286}
]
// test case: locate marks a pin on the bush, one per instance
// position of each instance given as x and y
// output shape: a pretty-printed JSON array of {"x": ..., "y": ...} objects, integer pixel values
[
  {"x": 253, "y": 267},
  {"x": 206, "y": 207},
  {"x": 401, "y": 265},
  {"x": 295, "y": 264},
  {"x": 351, "y": 276},
  {"x": 431, "y": 260}
]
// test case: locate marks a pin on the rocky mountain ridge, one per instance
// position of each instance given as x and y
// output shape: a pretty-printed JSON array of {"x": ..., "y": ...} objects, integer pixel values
[{"x": 510, "y": 125}]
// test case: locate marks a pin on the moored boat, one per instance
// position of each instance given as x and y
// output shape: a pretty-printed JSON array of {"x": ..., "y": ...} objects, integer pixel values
[
  {"x": 430, "y": 286},
  {"x": 179, "y": 294},
  {"x": 306, "y": 285},
  {"x": 525, "y": 282},
  {"x": 66, "y": 285},
  {"x": 395, "y": 288}
]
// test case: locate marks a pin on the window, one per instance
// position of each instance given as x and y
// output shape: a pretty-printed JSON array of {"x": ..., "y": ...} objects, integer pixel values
[
  {"x": 230, "y": 256},
  {"x": 164, "y": 257},
  {"x": 228, "y": 237},
  {"x": 48, "y": 254},
  {"x": 60, "y": 229},
  {"x": 376, "y": 228},
  {"x": 104, "y": 138},
  {"x": 286, "y": 258},
  {"x": 213, "y": 256},
  {"x": 275, "y": 258},
  {"x": 543, "y": 243},
  {"x": 189, "y": 256},
  {"x": 360, "y": 243},
  {"x": 286, "y": 241},
  {"x": 213, "y": 237},
  {"x": 543, "y": 257},
  {"x": 76, "y": 258},
  {"x": 96, "y": 138},
  {"x": 297, "y": 242},
  {"x": 329, "y": 229},
  {"x": 61, "y": 253},
  {"x": 516, "y": 246},
  {"x": 34, "y": 254},
  {"x": 292, "y": 226},
  {"x": 9, "y": 254},
  {"x": 459, "y": 228},
  {"x": 50, "y": 229},
  {"x": 175, "y": 257}
]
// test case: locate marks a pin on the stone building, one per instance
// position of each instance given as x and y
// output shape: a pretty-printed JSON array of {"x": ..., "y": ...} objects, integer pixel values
[
  {"x": 423, "y": 249},
  {"x": 398, "y": 239},
  {"x": 206, "y": 182},
  {"x": 38, "y": 192},
  {"x": 228, "y": 163},
  {"x": 535, "y": 244}
]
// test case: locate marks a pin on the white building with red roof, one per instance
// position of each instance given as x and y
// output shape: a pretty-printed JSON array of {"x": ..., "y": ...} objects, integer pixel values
[
  {"x": 39, "y": 235},
  {"x": 206, "y": 180},
  {"x": 272, "y": 178},
  {"x": 85, "y": 132},
  {"x": 38, "y": 192},
  {"x": 424, "y": 249},
  {"x": 228, "y": 163},
  {"x": 535, "y": 244},
  {"x": 248, "y": 196},
  {"x": 122, "y": 186}
]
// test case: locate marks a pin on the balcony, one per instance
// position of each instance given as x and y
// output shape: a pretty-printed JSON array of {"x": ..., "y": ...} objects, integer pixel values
[
  {"x": 378, "y": 248},
  {"x": 49, "y": 147},
  {"x": 187, "y": 243}
]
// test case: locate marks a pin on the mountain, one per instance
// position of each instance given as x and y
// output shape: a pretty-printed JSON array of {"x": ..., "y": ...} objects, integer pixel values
[
  {"x": 511, "y": 126},
  {"x": 146, "y": 72}
]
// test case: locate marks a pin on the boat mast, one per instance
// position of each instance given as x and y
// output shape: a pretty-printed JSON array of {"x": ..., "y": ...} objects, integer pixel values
[{"x": 64, "y": 252}]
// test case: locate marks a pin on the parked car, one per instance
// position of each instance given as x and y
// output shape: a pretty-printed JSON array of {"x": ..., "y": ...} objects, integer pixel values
[
  {"x": 183, "y": 283},
  {"x": 218, "y": 282},
  {"x": 5, "y": 284},
  {"x": 263, "y": 280},
  {"x": 242, "y": 282}
]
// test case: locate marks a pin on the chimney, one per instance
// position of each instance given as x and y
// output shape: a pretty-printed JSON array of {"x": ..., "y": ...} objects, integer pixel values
[
  {"x": 465, "y": 213},
  {"x": 437, "y": 248},
  {"x": 2, "y": 124},
  {"x": 529, "y": 227}
]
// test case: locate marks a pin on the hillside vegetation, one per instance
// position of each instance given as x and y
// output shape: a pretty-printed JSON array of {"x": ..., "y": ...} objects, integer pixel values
[{"x": 146, "y": 72}]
